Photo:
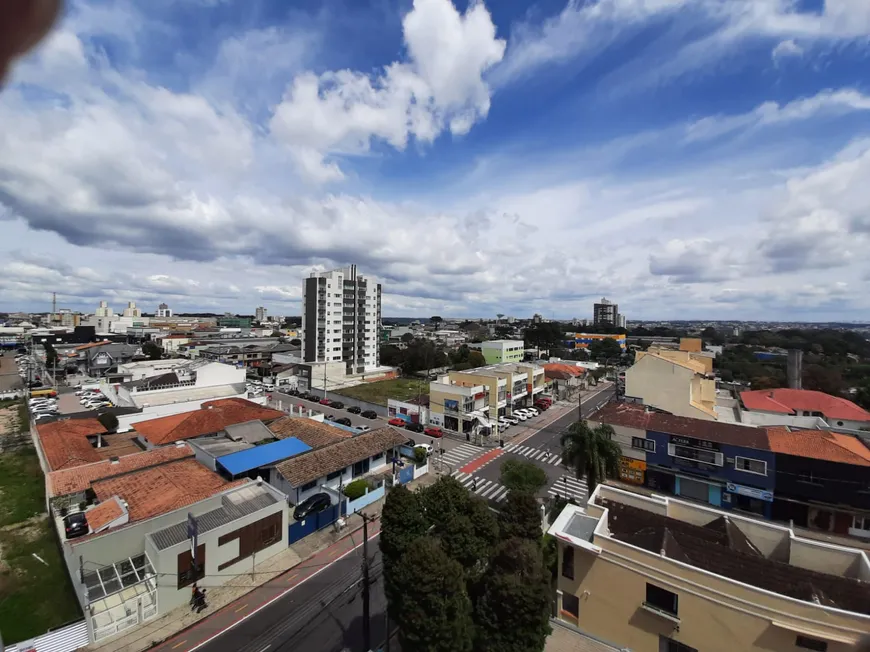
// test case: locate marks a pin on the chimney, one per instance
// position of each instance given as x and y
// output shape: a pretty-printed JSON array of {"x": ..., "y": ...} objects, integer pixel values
[{"x": 794, "y": 369}]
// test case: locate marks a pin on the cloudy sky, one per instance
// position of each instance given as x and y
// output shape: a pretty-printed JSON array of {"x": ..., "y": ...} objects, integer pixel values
[{"x": 686, "y": 158}]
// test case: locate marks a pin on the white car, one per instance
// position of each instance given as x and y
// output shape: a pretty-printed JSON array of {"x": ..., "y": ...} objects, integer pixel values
[
  {"x": 511, "y": 420},
  {"x": 533, "y": 411},
  {"x": 519, "y": 414},
  {"x": 426, "y": 447},
  {"x": 43, "y": 415},
  {"x": 362, "y": 428},
  {"x": 503, "y": 423}
]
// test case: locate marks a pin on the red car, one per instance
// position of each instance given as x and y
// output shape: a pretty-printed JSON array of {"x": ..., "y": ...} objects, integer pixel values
[
  {"x": 432, "y": 431},
  {"x": 325, "y": 401},
  {"x": 397, "y": 422},
  {"x": 541, "y": 405}
]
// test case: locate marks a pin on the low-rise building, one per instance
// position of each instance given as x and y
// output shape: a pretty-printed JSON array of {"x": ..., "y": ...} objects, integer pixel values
[
  {"x": 680, "y": 387},
  {"x": 136, "y": 562},
  {"x": 585, "y": 340},
  {"x": 212, "y": 418},
  {"x": 780, "y": 407},
  {"x": 500, "y": 351},
  {"x": 69, "y": 442},
  {"x": 329, "y": 468},
  {"x": 99, "y": 358},
  {"x": 656, "y": 573},
  {"x": 412, "y": 411}
]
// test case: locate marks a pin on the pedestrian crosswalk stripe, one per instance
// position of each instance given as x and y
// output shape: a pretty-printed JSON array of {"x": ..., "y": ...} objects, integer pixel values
[
  {"x": 536, "y": 454},
  {"x": 557, "y": 461},
  {"x": 490, "y": 490},
  {"x": 500, "y": 495}
]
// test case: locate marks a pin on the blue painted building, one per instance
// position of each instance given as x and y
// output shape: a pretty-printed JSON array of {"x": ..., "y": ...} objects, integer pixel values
[{"x": 713, "y": 466}]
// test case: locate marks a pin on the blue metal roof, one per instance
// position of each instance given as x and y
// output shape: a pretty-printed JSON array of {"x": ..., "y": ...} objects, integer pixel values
[{"x": 264, "y": 455}]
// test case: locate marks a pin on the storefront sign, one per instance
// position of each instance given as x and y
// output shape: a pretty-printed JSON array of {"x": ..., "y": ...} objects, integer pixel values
[
  {"x": 631, "y": 470},
  {"x": 752, "y": 492},
  {"x": 480, "y": 395},
  {"x": 695, "y": 443},
  {"x": 529, "y": 388}
]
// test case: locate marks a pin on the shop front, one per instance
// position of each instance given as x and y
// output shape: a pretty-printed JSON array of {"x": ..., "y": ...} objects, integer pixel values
[
  {"x": 748, "y": 499},
  {"x": 632, "y": 471}
]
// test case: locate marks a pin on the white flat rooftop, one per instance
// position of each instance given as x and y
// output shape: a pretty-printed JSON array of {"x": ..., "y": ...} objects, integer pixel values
[{"x": 183, "y": 395}]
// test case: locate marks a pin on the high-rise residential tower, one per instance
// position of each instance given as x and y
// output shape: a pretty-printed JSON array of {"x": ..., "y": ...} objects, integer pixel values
[{"x": 341, "y": 319}]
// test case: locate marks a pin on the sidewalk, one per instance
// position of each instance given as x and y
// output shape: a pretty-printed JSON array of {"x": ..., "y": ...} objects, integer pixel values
[{"x": 241, "y": 590}]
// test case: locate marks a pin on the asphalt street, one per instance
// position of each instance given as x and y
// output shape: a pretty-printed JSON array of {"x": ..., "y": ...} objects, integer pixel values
[
  {"x": 322, "y": 615},
  {"x": 356, "y": 420}
]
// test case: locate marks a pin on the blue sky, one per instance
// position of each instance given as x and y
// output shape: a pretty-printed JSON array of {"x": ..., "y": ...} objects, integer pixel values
[{"x": 686, "y": 158}]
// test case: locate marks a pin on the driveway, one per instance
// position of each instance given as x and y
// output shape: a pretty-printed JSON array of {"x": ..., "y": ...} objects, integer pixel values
[{"x": 68, "y": 403}]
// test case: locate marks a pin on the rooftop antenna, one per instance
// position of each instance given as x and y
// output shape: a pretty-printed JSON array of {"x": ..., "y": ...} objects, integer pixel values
[{"x": 54, "y": 303}]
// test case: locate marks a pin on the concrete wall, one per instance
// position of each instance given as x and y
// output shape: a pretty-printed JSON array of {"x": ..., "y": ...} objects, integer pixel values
[
  {"x": 666, "y": 386},
  {"x": 715, "y": 615}
]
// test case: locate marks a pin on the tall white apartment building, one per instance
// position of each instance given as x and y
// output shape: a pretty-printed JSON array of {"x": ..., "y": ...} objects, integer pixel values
[
  {"x": 341, "y": 319},
  {"x": 260, "y": 314}
]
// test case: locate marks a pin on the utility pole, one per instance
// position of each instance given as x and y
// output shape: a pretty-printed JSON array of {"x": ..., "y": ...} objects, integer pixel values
[{"x": 367, "y": 631}]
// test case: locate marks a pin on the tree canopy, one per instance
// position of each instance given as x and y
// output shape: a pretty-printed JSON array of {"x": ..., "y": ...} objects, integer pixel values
[
  {"x": 513, "y": 611},
  {"x": 151, "y": 350},
  {"x": 605, "y": 348},
  {"x": 520, "y": 517},
  {"x": 591, "y": 453},
  {"x": 433, "y": 609},
  {"x": 522, "y": 476}
]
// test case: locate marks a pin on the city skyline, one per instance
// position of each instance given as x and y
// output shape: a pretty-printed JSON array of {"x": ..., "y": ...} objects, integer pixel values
[{"x": 511, "y": 172}]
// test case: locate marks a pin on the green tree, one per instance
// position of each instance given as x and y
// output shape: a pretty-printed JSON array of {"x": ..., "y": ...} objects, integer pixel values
[
  {"x": 823, "y": 379},
  {"x": 522, "y": 476},
  {"x": 435, "y": 321},
  {"x": 476, "y": 359},
  {"x": 50, "y": 354},
  {"x": 513, "y": 611},
  {"x": 862, "y": 397},
  {"x": 433, "y": 610},
  {"x": 520, "y": 517},
  {"x": 591, "y": 453},
  {"x": 391, "y": 355},
  {"x": 402, "y": 523},
  {"x": 109, "y": 421},
  {"x": 408, "y": 337},
  {"x": 356, "y": 489},
  {"x": 151, "y": 350},
  {"x": 605, "y": 348}
]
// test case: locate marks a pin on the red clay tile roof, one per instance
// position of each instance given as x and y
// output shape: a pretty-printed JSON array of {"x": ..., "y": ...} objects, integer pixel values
[
  {"x": 791, "y": 401},
  {"x": 323, "y": 461},
  {"x": 212, "y": 417},
  {"x": 819, "y": 445},
  {"x": 308, "y": 431},
  {"x": 632, "y": 415},
  {"x": 103, "y": 514},
  {"x": 65, "y": 443},
  {"x": 161, "y": 489},
  {"x": 562, "y": 371},
  {"x": 79, "y": 478}
]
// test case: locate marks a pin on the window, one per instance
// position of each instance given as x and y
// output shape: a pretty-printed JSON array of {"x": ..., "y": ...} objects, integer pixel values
[
  {"x": 697, "y": 454},
  {"x": 377, "y": 457},
  {"x": 661, "y": 599},
  {"x": 568, "y": 562},
  {"x": 643, "y": 444},
  {"x": 750, "y": 465},
  {"x": 308, "y": 486},
  {"x": 361, "y": 467},
  {"x": 808, "y": 643},
  {"x": 187, "y": 574},
  {"x": 335, "y": 474},
  {"x": 670, "y": 645},
  {"x": 570, "y": 605}
]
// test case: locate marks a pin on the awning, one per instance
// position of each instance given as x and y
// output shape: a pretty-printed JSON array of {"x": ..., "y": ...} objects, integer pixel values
[{"x": 804, "y": 630}]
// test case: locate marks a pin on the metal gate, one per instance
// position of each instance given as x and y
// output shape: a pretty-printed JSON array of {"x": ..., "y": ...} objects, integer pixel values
[
  {"x": 406, "y": 473},
  {"x": 301, "y": 529}
]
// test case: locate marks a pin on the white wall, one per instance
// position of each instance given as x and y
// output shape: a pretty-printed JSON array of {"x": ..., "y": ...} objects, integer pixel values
[
  {"x": 297, "y": 496},
  {"x": 127, "y": 421},
  {"x": 661, "y": 384}
]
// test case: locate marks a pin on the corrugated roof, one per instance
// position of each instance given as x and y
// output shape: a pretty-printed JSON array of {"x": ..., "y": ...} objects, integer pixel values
[
  {"x": 632, "y": 415},
  {"x": 820, "y": 445},
  {"x": 247, "y": 500},
  {"x": 263, "y": 455},
  {"x": 790, "y": 401}
]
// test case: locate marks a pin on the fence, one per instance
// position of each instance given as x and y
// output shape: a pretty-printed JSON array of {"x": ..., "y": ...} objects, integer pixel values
[
  {"x": 301, "y": 529},
  {"x": 348, "y": 401},
  {"x": 370, "y": 496},
  {"x": 406, "y": 473},
  {"x": 66, "y": 639}
]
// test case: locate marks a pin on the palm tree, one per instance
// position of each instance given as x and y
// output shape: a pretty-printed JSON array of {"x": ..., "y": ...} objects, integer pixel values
[{"x": 591, "y": 452}]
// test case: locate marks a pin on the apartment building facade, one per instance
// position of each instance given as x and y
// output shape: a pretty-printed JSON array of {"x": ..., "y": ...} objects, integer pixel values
[
  {"x": 656, "y": 573},
  {"x": 341, "y": 319},
  {"x": 500, "y": 351},
  {"x": 680, "y": 387}
]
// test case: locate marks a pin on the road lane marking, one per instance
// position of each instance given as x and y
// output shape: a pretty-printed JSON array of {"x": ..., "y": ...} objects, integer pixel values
[
  {"x": 179, "y": 644},
  {"x": 277, "y": 597},
  {"x": 292, "y": 577},
  {"x": 242, "y": 607}
]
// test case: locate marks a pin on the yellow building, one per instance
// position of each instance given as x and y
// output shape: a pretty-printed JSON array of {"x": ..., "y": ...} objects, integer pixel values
[
  {"x": 655, "y": 573},
  {"x": 663, "y": 381},
  {"x": 465, "y": 400}
]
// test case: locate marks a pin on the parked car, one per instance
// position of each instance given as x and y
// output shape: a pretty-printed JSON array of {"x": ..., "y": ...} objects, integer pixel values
[
  {"x": 396, "y": 421},
  {"x": 426, "y": 447},
  {"x": 545, "y": 399},
  {"x": 44, "y": 415},
  {"x": 503, "y": 423},
  {"x": 415, "y": 427},
  {"x": 533, "y": 411},
  {"x": 362, "y": 428},
  {"x": 325, "y": 401},
  {"x": 369, "y": 414},
  {"x": 338, "y": 405},
  {"x": 511, "y": 420},
  {"x": 75, "y": 525},
  {"x": 541, "y": 405},
  {"x": 519, "y": 414},
  {"x": 311, "y": 505},
  {"x": 344, "y": 421},
  {"x": 353, "y": 409},
  {"x": 433, "y": 431}
]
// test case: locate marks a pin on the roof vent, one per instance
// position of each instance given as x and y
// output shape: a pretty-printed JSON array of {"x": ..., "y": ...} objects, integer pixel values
[
  {"x": 114, "y": 460},
  {"x": 179, "y": 443}
]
